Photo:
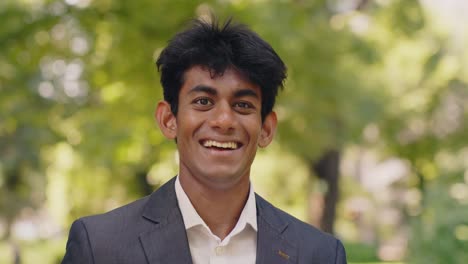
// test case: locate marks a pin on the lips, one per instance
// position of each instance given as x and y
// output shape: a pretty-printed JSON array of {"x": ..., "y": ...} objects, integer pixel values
[{"x": 226, "y": 145}]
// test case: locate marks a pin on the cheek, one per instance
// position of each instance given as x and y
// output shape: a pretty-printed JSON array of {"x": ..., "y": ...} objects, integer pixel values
[
  {"x": 188, "y": 125},
  {"x": 254, "y": 131}
]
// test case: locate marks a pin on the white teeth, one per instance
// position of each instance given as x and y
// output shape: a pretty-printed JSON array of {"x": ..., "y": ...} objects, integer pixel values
[{"x": 225, "y": 145}]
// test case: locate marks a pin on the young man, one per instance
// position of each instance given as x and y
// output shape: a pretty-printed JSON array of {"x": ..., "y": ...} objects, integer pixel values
[{"x": 220, "y": 84}]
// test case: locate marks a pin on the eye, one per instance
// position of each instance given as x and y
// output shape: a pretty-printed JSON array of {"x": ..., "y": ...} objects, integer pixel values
[
  {"x": 243, "y": 105},
  {"x": 202, "y": 101}
]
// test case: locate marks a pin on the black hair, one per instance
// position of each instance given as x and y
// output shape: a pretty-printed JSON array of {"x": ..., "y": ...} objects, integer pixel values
[{"x": 218, "y": 47}]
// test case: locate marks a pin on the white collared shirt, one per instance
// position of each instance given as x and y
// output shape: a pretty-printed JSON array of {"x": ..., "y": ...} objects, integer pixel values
[{"x": 239, "y": 246}]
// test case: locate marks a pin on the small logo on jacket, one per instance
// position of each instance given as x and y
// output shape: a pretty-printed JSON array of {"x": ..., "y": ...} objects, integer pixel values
[{"x": 284, "y": 255}]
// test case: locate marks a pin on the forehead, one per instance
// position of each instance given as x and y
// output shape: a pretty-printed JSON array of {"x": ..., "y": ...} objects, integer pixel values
[{"x": 229, "y": 80}]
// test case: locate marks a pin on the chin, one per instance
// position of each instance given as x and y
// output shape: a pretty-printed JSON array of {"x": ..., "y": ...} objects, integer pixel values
[{"x": 228, "y": 179}]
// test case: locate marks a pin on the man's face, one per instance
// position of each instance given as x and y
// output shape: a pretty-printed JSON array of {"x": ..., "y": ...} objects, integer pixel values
[{"x": 218, "y": 127}]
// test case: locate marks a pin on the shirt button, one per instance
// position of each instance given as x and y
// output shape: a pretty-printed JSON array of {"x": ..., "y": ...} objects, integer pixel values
[{"x": 219, "y": 250}]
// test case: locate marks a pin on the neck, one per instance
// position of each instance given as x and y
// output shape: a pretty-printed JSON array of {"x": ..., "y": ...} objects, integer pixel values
[{"x": 219, "y": 208}]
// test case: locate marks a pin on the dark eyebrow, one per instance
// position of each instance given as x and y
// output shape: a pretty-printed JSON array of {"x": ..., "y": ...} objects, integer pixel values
[
  {"x": 246, "y": 92},
  {"x": 212, "y": 91},
  {"x": 204, "y": 89}
]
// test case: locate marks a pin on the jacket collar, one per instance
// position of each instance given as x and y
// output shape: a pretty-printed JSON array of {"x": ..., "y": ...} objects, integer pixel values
[
  {"x": 272, "y": 243},
  {"x": 167, "y": 241}
]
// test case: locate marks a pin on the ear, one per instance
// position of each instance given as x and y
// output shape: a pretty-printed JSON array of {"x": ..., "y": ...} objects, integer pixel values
[
  {"x": 268, "y": 130},
  {"x": 166, "y": 120}
]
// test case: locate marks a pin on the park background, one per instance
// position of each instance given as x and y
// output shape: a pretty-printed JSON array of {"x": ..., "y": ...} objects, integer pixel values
[{"x": 372, "y": 143}]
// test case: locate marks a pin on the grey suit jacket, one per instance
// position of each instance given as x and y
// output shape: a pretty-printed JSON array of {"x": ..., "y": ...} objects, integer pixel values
[{"x": 151, "y": 230}]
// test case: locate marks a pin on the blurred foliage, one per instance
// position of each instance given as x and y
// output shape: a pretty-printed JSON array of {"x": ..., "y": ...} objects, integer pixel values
[
  {"x": 78, "y": 92},
  {"x": 78, "y": 88},
  {"x": 440, "y": 235},
  {"x": 358, "y": 252},
  {"x": 47, "y": 251}
]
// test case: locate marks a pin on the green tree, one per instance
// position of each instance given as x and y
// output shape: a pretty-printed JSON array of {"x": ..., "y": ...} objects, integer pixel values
[{"x": 78, "y": 88}]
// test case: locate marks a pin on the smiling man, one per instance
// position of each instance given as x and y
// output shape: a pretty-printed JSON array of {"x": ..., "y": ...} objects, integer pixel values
[{"x": 220, "y": 83}]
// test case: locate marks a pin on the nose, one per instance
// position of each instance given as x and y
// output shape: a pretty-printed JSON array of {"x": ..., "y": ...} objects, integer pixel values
[{"x": 223, "y": 118}]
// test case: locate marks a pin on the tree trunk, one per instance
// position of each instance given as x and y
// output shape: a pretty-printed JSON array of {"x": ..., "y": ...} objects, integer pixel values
[
  {"x": 16, "y": 253},
  {"x": 327, "y": 169}
]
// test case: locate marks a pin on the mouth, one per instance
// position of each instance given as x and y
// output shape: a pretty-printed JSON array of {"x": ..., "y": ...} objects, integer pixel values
[{"x": 218, "y": 145}]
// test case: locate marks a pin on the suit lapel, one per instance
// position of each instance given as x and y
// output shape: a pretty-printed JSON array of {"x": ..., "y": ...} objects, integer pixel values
[
  {"x": 272, "y": 247},
  {"x": 167, "y": 242}
]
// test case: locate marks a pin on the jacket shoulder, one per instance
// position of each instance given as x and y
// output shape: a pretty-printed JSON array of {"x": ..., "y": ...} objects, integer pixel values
[
  {"x": 118, "y": 217},
  {"x": 110, "y": 233}
]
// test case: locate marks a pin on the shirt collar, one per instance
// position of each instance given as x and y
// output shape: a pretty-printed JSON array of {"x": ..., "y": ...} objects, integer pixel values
[{"x": 192, "y": 218}]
